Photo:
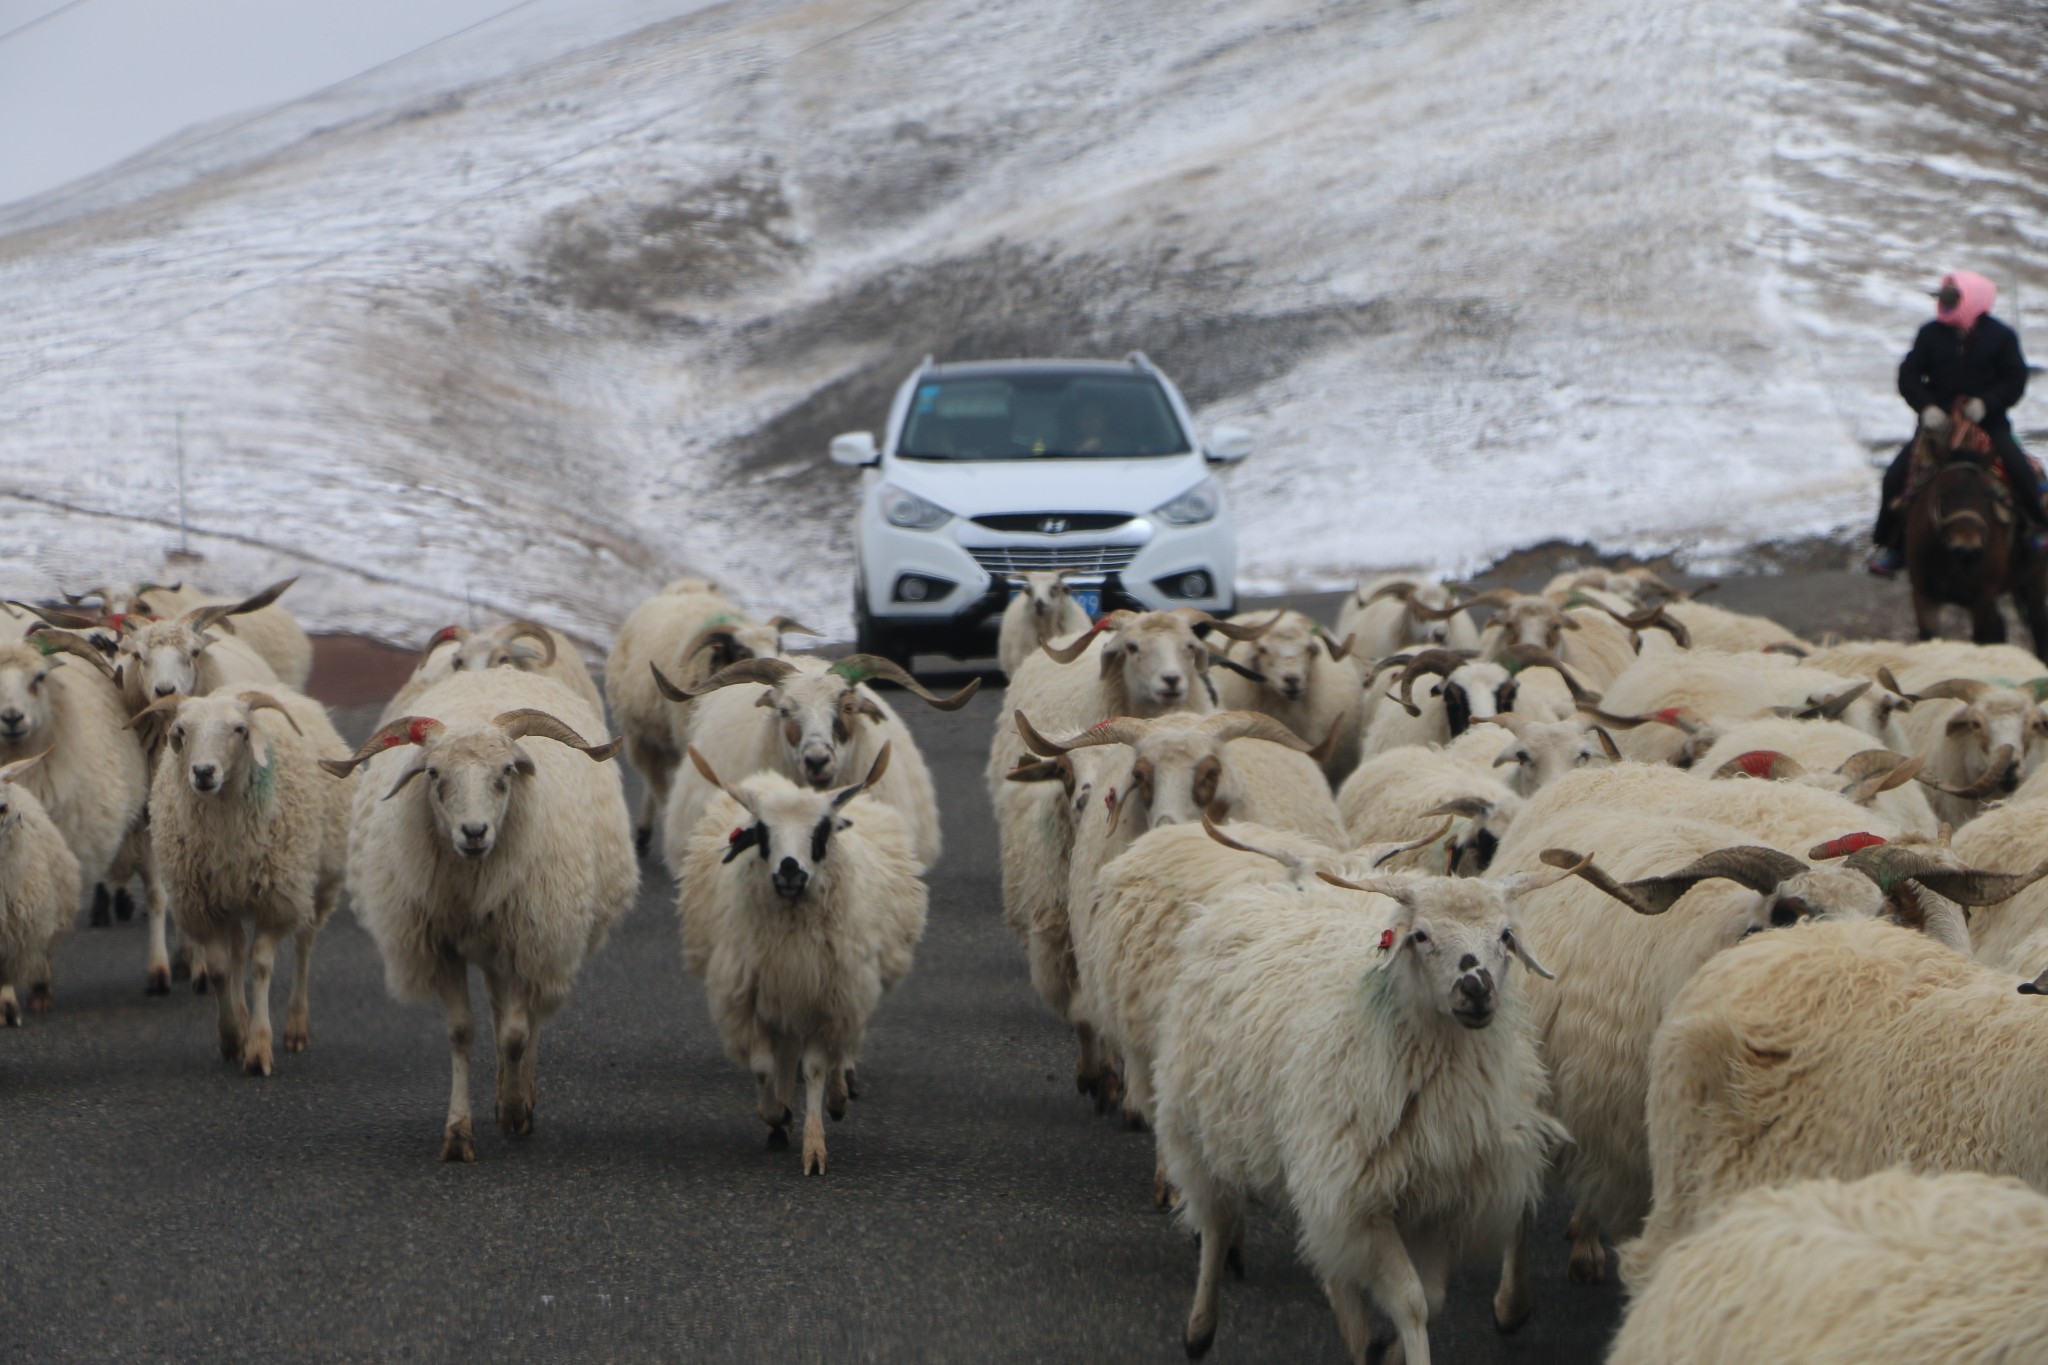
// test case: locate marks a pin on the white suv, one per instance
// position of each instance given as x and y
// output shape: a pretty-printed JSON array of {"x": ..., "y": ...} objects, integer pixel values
[{"x": 992, "y": 468}]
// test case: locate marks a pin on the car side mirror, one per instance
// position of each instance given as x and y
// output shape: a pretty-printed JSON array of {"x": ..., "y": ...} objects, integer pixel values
[
  {"x": 855, "y": 448},
  {"x": 1228, "y": 445}
]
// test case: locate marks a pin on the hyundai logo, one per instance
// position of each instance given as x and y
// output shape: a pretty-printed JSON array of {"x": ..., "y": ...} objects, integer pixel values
[{"x": 1053, "y": 526}]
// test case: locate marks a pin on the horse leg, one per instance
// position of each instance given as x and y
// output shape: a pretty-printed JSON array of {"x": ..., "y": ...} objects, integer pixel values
[
  {"x": 1987, "y": 622},
  {"x": 2028, "y": 596},
  {"x": 1926, "y": 613}
]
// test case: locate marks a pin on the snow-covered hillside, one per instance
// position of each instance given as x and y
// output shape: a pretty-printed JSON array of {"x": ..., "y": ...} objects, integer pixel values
[{"x": 536, "y": 320}]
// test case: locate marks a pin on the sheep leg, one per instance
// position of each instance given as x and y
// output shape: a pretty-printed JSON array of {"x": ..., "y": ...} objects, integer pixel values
[
  {"x": 1397, "y": 1290},
  {"x": 159, "y": 980},
  {"x": 256, "y": 1051},
  {"x": 102, "y": 902},
  {"x": 1588, "y": 1263},
  {"x": 224, "y": 957},
  {"x": 298, "y": 1015},
  {"x": 836, "y": 1092},
  {"x": 1217, "y": 1214},
  {"x": 515, "y": 1035},
  {"x": 1512, "y": 1301},
  {"x": 657, "y": 769},
  {"x": 10, "y": 1007},
  {"x": 124, "y": 905},
  {"x": 1354, "y": 1325},
  {"x": 458, "y": 1142},
  {"x": 815, "y": 1067},
  {"x": 767, "y": 1103}
]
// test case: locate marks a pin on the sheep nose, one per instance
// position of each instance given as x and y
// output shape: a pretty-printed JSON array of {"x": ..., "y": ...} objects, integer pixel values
[
  {"x": 1474, "y": 1002},
  {"x": 473, "y": 837},
  {"x": 11, "y": 718},
  {"x": 790, "y": 878},
  {"x": 165, "y": 689},
  {"x": 816, "y": 766},
  {"x": 1169, "y": 683},
  {"x": 203, "y": 776}
]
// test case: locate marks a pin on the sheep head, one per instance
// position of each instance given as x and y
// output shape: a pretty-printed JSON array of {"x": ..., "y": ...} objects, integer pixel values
[
  {"x": 1997, "y": 736},
  {"x": 1286, "y": 654},
  {"x": 1470, "y": 690},
  {"x": 1157, "y": 658},
  {"x": 216, "y": 737},
  {"x": 472, "y": 771},
  {"x": 1454, "y": 936},
  {"x": 161, "y": 659},
  {"x": 1544, "y": 751},
  {"x": 27, "y": 692},
  {"x": 10, "y": 773},
  {"x": 1487, "y": 822},
  {"x": 792, "y": 826}
]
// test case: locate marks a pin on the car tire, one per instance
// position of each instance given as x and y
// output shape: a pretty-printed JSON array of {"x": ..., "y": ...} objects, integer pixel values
[{"x": 872, "y": 637}]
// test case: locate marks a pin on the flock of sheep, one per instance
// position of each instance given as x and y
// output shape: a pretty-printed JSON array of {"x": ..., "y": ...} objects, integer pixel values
[{"x": 1733, "y": 935}]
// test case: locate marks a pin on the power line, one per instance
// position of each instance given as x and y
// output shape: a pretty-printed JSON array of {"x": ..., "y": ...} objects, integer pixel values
[
  {"x": 85, "y": 186},
  {"x": 42, "y": 18},
  {"x": 11, "y": 381}
]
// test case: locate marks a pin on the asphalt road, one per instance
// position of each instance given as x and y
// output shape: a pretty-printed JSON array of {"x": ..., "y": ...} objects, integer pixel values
[{"x": 156, "y": 1204}]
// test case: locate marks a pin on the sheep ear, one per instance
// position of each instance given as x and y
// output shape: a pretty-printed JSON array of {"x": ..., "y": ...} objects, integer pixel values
[
  {"x": 1394, "y": 938},
  {"x": 1515, "y": 946},
  {"x": 419, "y": 766},
  {"x": 522, "y": 761}
]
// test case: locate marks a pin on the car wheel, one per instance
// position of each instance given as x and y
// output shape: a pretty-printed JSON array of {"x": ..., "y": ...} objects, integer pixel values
[{"x": 872, "y": 637}]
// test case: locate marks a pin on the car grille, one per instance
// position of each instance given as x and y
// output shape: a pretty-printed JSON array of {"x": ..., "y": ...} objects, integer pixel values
[
  {"x": 1078, "y": 558},
  {"x": 1068, "y": 522}
]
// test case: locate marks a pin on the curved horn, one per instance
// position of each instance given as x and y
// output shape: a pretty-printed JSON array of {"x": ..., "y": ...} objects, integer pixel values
[
  {"x": 1464, "y": 807},
  {"x": 1242, "y": 670},
  {"x": 860, "y": 668},
  {"x": 1986, "y": 783},
  {"x": 1752, "y": 865},
  {"x": 442, "y": 637},
  {"x": 1891, "y": 864},
  {"x": 48, "y": 641},
  {"x": 404, "y": 730},
  {"x": 1199, "y": 621},
  {"x": 14, "y": 770},
  {"x": 263, "y": 701},
  {"x": 765, "y": 671},
  {"x": 705, "y": 636},
  {"x": 1519, "y": 884},
  {"x": 1890, "y": 683},
  {"x": 160, "y": 707},
  {"x": 1872, "y": 772},
  {"x": 524, "y": 721},
  {"x": 1076, "y": 647},
  {"x": 1225, "y": 726},
  {"x": 1833, "y": 708},
  {"x": 1584, "y": 868},
  {"x": 1120, "y": 730},
  {"x": 875, "y": 771},
  {"x": 1767, "y": 764},
  {"x": 783, "y": 625},
  {"x": 1428, "y": 661},
  {"x": 1964, "y": 690},
  {"x": 1492, "y": 597},
  {"x": 703, "y": 766},
  {"x": 530, "y": 630},
  {"x": 66, "y": 620},
  {"x": 1295, "y": 863},
  {"x": 1517, "y": 657},
  {"x": 1404, "y": 590},
  {"x": 1338, "y": 652},
  {"x": 201, "y": 618},
  {"x": 1791, "y": 647},
  {"x": 1673, "y": 716}
]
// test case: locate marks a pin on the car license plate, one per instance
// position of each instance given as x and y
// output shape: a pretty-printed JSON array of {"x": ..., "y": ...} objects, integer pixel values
[{"x": 1089, "y": 598}]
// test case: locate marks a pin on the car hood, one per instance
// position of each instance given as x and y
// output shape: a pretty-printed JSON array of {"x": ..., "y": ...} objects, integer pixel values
[{"x": 974, "y": 488}]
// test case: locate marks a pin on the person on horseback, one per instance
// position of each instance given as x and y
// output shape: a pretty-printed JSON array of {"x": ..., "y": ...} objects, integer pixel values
[{"x": 1966, "y": 358}]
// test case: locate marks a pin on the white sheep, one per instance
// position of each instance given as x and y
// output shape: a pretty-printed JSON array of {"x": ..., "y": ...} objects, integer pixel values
[
  {"x": 515, "y": 858},
  {"x": 244, "y": 829},
  {"x": 1334, "y": 1053},
  {"x": 1592, "y": 638},
  {"x": 660, "y": 632},
  {"x": 2008, "y": 664},
  {"x": 823, "y": 726},
  {"x": 1396, "y": 613},
  {"x": 1830, "y": 754},
  {"x": 1040, "y": 612},
  {"x": 1306, "y": 680},
  {"x": 1398, "y": 794},
  {"x": 95, "y": 782},
  {"x": 2012, "y": 935},
  {"x": 1841, "y": 1049},
  {"x": 39, "y": 888},
  {"x": 798, "y": 944},
  {"x": 1722, "y": 631},
  {"x": 525, "y": 645},
  {"x": 1978, "y": 739},
  {"x": 1673, "y": 708},
  {"x": 266, "y": 629},
  {"x": 1523, "y": 679},
  {"x": 1892, "y": 1269}
]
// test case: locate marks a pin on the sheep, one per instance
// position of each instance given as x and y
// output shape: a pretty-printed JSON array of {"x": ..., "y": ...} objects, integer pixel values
[
  {"x": 1392, "y": 614},
  {"x": 1671, "y": 709},
  {"x": 1397, "y": 794},
  {"x": 1180, "y": 768},
  {"x": 1312, "y": 685},
  {"x": 1892, "y": 1269},
  {"x": 1721, "y": 631},
  {"x": 525, "y": 645},
  {"x": 267, "y": 630},
  {"x": 95, "y": 781},
  {"x": 1619, "y": 972},
  {"x": 39, "y": 887},
  {"x": 824, "y": 724},
  {"x": 1840, "y": 1050},
  {"x": 1977, "y": 739},
  {"x": 689, "y": 630},
  {"x": 243, "y": 828},
  {"x": 1634, "y": 588},
  {"x": 1147, "y": 895},
  {"x": 2013, "y": 935},
  {"x": 1336, "y": 1052},
  {"x": 1470, "y": 690},
  {"x": 1038, "y": 613},
  {"x": 798, "y": 946},
  {"x": 1951, "y": 658},
  {"x": 1831, "y": 755},
  {"x": 1589, "y": 636},
  {"x": 515, "y": 858}
]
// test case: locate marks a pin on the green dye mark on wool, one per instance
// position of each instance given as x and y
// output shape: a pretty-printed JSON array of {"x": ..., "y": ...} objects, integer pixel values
[
  {"x": 263, "y": 786},
  {"x": 723, "y": 618}
]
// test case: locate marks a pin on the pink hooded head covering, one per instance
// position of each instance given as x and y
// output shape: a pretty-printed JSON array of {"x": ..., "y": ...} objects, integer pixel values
[{"x": 1977, "y": 294}]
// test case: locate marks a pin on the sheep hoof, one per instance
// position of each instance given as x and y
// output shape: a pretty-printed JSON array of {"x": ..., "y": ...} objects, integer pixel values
[
  {"x": 778, "y": 1137},
  {"x": 836, "y": 1109},
  {"x": 515, "y": 1118},
  {"x": 643, "y": 840},
  {"x": 1510, "y": 1312},
  {"x": 101, "y": 899},
  {"x": 297, "y": 1036},
  {"x": 256, "y": 1059},
  {"x": 1199, "y": 1341},
  {"x": 1233, "y": 1259},
  {"x": 159, "y": 981},
  {"x": 39, "y": 997},
  {"x": 1135, "y": 1122},
  {"x": 200, "y": 981},
  {"x": 124, "y": 905},
  {"x": 1164, "y": 1195},
  {"x": 457, "y": 1143},
  {"x": 852, "y": 1083},
  {"x": 1588, "y": 1264},
  {"x": 10, "y": 1017},
  {"x": 814, "y": 1155}
]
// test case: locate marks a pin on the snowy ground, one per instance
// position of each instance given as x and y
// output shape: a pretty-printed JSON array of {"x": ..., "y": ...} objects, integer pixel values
[{"x": 534, "y": 322}]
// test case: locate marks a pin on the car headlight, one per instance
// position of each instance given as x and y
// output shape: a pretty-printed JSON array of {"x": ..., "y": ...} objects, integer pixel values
[
  {"x": 910, "y": 511},
  {"x": 1192, "y": 508}
]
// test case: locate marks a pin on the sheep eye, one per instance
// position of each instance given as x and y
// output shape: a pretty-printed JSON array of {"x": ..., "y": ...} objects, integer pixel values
[
  {"x": 433, "y": 773},
  {"x": 241, "y": 730},
  {"x": 1420, "y": 937}
]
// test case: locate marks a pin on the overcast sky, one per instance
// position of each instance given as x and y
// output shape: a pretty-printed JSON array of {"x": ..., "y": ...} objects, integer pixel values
[{"x": 107, "y": 78}]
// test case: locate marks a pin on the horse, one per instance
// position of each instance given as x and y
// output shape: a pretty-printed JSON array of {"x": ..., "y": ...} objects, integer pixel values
[{"x": 1965, "y": 548}]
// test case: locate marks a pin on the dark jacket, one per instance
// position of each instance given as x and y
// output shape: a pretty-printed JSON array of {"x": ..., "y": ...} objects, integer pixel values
[{"x": 1945, "y": 366}]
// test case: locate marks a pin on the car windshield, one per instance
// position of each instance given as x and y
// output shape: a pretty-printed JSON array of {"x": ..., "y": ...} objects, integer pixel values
[{"x": 1041, "y": 416}]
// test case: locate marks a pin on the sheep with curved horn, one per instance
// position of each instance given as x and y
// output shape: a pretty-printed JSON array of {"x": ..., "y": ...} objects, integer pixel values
[
  {"x": 258, "y": 624},
  {"x": 823, "y": 725},
  {"x": 1040, "y": 611},
  {"x": 1980, "y": 740},
  {"x": 472, "y": 845},
  {"x": 527, "y": 646},
  {"x": 1390, "y": 615},
  {"x": 1469, "y": 691},
  {"x": 1297, "y": 674}
]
